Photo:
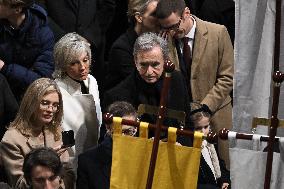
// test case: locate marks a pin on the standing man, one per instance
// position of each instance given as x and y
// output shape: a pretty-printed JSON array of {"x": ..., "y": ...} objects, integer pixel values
[{"x": 205, "y": 58}]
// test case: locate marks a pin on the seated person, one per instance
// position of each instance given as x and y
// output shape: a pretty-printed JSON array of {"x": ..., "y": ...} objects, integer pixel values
[
  {"x": 26, "y": 44},
  {"x": 141, "y": 20},
  {"x": 94, "y": 165},
  {"x": 43, "y": 169},
  {"x": 37, "y": 124},
  {"x": 212, "y": 172},
  {"x": 80, "y": 94},
  {"x": 8, "y": 105},
  {"x": 143, "y": 85}
]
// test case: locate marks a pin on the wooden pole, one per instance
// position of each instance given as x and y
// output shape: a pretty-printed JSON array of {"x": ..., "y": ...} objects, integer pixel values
[
  {"x": 278, "y": 79},
  {"x": 169, "y": 68}
]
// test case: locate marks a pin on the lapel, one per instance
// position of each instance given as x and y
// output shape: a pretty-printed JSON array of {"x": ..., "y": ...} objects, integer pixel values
[
  {"x": 34, "y": 142},
  {"x": 73, "y": 5},
  {"x": 200, "y": 42},
  {"x": 71, "y": 86}
]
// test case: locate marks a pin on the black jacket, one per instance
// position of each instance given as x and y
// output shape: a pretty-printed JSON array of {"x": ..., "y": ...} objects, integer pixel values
[
  {"x": 121, "y": 60},
  {"x": 90, "y": 19},
  {"x": 136, "y": 91},
  {"x": 94, "y": 167},
  {"x": 27, "y": 51},
  {"x": 8, "y": 105},
  {"x": 206, "y": 179}
]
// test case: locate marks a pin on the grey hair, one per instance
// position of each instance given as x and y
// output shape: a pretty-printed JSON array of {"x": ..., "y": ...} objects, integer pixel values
[
  {"x": 148, "y": 41},
  {"x": 68, "y": 49}
]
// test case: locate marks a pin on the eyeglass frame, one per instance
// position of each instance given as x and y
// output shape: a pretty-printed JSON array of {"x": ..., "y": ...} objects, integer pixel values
[
  {"x": 55, "y": 108},
  {"x": 130, "y": 131},
  {"x": 173, "y": 27}
]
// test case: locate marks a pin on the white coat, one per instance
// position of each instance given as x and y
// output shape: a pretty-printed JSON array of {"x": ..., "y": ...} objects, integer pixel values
[{"x": 82, "y": 113}]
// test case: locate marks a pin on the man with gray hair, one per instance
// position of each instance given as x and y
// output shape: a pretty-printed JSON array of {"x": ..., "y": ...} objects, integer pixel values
[
  {"x": 141, "y": 20},
  {"x": 144, "y": 85}
]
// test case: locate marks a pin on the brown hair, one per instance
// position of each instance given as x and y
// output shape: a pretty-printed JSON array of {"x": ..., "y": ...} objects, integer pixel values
[
  {"x": 197, "y": 112},
  {"x": 166, "y": 7}
]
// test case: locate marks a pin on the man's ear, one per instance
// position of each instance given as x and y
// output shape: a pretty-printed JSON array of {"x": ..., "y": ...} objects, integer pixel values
[
  {"x": 138, "y": 17},
  {"x": 186, "y": 12}
]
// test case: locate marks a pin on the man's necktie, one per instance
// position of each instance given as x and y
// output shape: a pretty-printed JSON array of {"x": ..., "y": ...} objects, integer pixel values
[
  {"x": 187, "y": 61},
  {"x": 187, "y": 52}
]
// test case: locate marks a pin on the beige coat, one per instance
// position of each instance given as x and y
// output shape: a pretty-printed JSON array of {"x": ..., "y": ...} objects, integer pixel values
[
  {"x": 15, "y": 146},
  {"x": 212, "y": 73}
]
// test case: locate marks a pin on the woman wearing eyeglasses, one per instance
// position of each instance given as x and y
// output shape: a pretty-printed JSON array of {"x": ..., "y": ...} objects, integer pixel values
[
  {"x": 212, "y": 172},
  {"x": 82, "y": 110},
  {"x": 37, "y": 124}
]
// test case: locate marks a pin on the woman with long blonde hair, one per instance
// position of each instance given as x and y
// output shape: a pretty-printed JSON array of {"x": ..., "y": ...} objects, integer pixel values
[{"x": 37, "y": 124}]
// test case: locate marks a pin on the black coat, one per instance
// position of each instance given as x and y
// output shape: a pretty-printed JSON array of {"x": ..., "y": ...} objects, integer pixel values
[
  {"x": 8, "y": 105},
  {"x": 136, "y": 91},
  {"x": 216, "y": 11},
  {"x": 26, "y": 51},
  {"x": 94, "y": 167},
  {"x": 89, "y": 18},
  {"x": 121, "y": 60}
]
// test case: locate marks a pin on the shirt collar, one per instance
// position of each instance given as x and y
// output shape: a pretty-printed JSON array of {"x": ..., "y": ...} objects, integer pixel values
[{"x": 191, "y": 33}]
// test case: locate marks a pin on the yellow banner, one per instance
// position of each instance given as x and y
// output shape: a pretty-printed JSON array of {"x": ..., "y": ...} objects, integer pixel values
[{"x": 176, "y": 167}]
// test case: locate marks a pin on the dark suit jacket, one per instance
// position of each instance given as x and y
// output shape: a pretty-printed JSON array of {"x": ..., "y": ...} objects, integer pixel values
[
  {"x": 90, "y": 19},
  {"x": 94, "y": 167},
  {"x": 121, "y": 60},
  {"x": 136, "y": 91},
  {"x": 8, "y": 105}
]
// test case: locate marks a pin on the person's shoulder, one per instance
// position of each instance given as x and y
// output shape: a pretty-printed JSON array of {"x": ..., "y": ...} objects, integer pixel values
[
  {"x": 125, "y": 40},
  {"x": 125, "y": 85},
  {"x": 13, "y": 135},
  {"x": 209, "y": 25},
  {"x": 92, "y": 79},
  {"x": 39, "y": 12}
]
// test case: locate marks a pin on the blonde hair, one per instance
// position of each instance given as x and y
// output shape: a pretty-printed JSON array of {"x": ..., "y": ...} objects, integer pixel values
[
  {"x": 68, "y": 49},
  {"x": 27, "y": 113},
  {"x": 135, "y": 6}
]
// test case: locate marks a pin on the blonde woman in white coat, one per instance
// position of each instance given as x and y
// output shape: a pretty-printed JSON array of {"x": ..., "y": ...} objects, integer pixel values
[{"x": 81, "y": 103}]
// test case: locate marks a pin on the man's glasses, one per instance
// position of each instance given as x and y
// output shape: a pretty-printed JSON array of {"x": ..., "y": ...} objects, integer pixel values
[
  {"x": 45, "y": 105},
  {"x": 129, "y": 131},
  {"x": 174, "y": 27}
]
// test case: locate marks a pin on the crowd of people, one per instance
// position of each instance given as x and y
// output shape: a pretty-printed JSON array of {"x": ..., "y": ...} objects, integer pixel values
[{"x": 53, "y": 78}]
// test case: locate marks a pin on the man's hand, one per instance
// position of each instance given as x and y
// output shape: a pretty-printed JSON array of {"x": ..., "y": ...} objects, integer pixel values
[
  {"x": 164, "y": 34},
  {"x": 1, "y": 64}
]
